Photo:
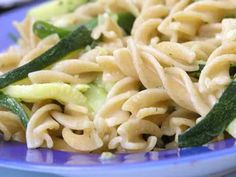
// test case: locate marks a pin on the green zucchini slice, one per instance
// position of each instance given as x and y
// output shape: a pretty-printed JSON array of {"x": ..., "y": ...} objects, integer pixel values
[
  {"x": 14, "y": 106},
  {"x": 78, "y": 39},
  {"x": 61, "y": 92},
  {"x": 215, "y": 122}
]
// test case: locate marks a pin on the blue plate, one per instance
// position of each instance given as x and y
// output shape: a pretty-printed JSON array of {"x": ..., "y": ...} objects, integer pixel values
[{"x": 215, "y": 158}]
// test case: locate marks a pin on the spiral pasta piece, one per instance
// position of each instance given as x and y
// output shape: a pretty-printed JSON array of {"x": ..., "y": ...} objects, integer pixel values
[
  {"x": 10, "y": 59},
  {"x": 41, "y": 47},
  {"x": 203, "y": 48},
  {"x": 146, "y": 103},
  {"x": 177, "y": 122},
  {"x": 109, "y": 29},
  {"x": 199, "y": 12},
  {"x": 38, "y": 126},
  {"x": 215, "y": 76},
  {"x": 131, "y": 135},
  {"x": 28, "y": 39},
  {"x": 41, "y": 77},
  {"x": 11, "y": 127},
  {"x": 145, "y": 26},
  {"x": 89, "y": 140},
  {"x": 152, "y": 74},
  {"x": 74, "y": 117}
]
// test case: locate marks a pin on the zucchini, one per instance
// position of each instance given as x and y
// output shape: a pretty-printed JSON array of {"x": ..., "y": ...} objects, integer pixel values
[
  {"x": 43, "y": 29},
  {"x": 125, "y": 21},
  {"x": 196, "y": 74},
  {"x": 215, "y": 122},
  {"x": 78, "y": 39},
  {"x": 96, "y": 97},
  {"x": 61, "y": 92},
  {"x": 14, "y": 106},
  {"x": 51, "y": 9}
]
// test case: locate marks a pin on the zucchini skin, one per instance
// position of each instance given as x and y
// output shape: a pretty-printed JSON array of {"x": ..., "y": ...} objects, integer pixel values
[
  {"x": 43, "y": 29},
  {"x": 126, "y": 21},
  {"x": 14, "y": 106},
  {"x": 215, "y": 122},
  {"x": 78, "y": 39}
]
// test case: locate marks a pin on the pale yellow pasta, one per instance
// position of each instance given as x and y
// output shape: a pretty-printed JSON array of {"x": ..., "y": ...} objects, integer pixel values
[
  {"x": 40, "y": 77},
  {"x": 228, "y": 30},
  {"x": 130, "y": 135},
  {"x": 203, "y": 48},
  {"x": 40, "y": 48},
  {"x": 39, "y": 124},
  {"x": 28, "y": 39},
  {"x": 215, "y": 76},
  {"x": 184, "y": 24},
  {"x": 75, "y": 66},
  {"x": 89, "y": 140},
  {"x": 109, "y": 29},
  {"x": 11, "y": 127},
  {"x": 147, "y": 102},
  {"x": 177, "y": 122},
  {"x": 74, "y": 117},
  {"x": 10, "y": 59},
  {"x": 145, "y": 26},
  {"x": 112, "y": 112},
  {"x": 211, "y": 30},
  {"x": 111, "y": 72}
]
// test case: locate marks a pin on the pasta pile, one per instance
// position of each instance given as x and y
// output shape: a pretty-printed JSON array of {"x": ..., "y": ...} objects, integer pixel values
[{"x": 153, "y": 97}]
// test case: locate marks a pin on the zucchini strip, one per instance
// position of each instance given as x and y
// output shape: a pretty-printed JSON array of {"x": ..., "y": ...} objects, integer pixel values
[
  {"x": 78, "y": 39},
  {"x": 14, "y": 106},
  {"x": 51, "y": 9},
  {"x": 61, "y": 92},
  {"x": 43, "y": 29},
  {"x": 215, "y": 122}
]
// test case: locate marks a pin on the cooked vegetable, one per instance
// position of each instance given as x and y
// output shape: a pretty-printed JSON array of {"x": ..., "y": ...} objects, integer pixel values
[
  {"x": 14, "y": 106},
  {"x": 43, "y": 29},
  {"x": 96, "y": 96},
  {"x": 215, "y": 122},
  {"x": 78, "y": 39},
  {"x": 54, "y": 8},
  {"x": 125, "y": 21},
  {"x": 59, "y": 91},
  {"x": 196, "y": 74}
]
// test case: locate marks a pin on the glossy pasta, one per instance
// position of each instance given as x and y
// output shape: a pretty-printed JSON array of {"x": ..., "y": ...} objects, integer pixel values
[{"x": 145, "y": 76}]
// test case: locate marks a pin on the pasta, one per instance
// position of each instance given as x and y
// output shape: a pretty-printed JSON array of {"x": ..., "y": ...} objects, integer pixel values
[{"x": 142, "y": 79}]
